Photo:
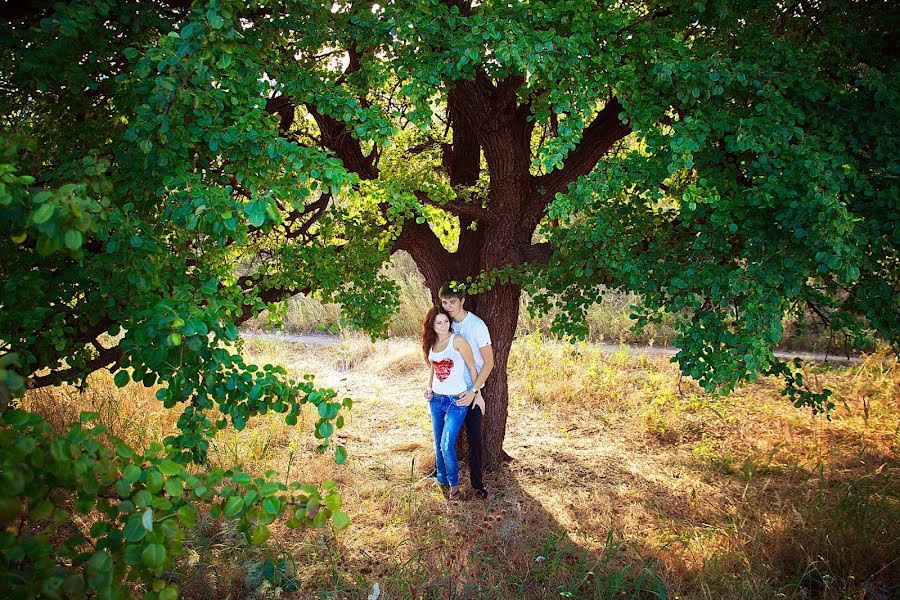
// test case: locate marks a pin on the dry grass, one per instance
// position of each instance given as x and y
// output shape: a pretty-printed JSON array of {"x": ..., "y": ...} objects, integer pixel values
[{"x": 625, "y": 481}]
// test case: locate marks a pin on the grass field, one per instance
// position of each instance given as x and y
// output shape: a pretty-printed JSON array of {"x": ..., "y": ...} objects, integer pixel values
[{"x": 625, "y": 483}]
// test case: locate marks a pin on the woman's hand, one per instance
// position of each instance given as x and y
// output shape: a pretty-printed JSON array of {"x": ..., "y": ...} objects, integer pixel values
[
  {"x": 428, "y": 393},
  {"x": 466, "y": 398}
]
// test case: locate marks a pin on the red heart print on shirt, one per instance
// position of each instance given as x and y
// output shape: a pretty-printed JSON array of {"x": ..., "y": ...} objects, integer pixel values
[{"x": 442, "y": 368}]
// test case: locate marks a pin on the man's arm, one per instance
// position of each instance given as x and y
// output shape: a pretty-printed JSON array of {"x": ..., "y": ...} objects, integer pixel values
[
  {"x": 463, "y": 347},
  {"x": 487, "y": 355}
]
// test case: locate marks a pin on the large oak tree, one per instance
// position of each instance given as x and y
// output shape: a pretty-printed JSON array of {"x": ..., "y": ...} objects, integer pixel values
[{"x": 171, "y": 169}]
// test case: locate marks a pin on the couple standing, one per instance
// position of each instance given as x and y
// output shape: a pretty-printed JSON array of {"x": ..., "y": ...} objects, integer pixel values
[{"x": 457, "y": 346}]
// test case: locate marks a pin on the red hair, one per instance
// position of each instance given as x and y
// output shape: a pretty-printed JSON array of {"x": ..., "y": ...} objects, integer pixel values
[{"x": 429, "y": 335}]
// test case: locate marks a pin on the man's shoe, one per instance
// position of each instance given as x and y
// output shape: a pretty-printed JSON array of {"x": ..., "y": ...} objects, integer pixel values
[{"x": 481, "y": 493}]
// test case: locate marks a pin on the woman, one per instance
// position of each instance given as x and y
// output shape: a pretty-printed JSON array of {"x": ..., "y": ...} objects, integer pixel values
[{"x": 447, "y": 354}]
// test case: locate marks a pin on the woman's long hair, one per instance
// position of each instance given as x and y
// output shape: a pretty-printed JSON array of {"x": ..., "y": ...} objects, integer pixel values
[{"x": 429, "y": 335}]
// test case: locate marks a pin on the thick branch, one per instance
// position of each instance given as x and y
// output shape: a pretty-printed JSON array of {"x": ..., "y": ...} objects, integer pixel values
[
  {"x": 336, "y": 137},
  {"x": 472, "y": 103},
  {"x": 460, "y": 208},
  {"x": 538, "y": 253},
  {"x": 284, "y": 108},
  {"x": 598, "y": 138},
  {"x": 463, "y": 158},
  {"x": 107, "y": 358},
  {"x": 433, "y": 260}
]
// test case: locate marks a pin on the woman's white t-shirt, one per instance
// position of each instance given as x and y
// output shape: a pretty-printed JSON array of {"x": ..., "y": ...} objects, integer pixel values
[{"x": 449, "y": 369}]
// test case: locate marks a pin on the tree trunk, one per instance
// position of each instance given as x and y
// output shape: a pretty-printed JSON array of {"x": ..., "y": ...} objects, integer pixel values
[{"x": 499, "y": 308}]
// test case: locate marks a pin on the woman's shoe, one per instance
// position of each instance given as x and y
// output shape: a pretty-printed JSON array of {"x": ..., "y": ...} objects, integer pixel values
[{"x": 456, "y": 496}]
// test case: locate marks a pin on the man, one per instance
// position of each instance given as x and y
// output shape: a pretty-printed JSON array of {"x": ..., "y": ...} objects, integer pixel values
[{"x": 476, "y": 333}]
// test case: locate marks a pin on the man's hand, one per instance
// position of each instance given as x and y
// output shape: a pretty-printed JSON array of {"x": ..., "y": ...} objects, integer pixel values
[
  {"x": 466, "y": 398},
  {"x": 428, "y": 393}
]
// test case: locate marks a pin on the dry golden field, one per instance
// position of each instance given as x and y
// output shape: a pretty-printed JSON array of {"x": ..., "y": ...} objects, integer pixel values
[{"x": 626, "y": 483}]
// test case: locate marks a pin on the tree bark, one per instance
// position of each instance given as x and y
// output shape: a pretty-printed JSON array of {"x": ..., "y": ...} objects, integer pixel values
[{"x": 499, "y": 308}]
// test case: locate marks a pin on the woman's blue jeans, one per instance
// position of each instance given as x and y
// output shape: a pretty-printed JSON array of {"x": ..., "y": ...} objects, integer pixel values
[{"x": 447, "y": 419}]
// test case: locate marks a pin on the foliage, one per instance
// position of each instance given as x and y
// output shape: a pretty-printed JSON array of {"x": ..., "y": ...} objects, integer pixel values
[
  {"x": 761, "y": 182},
  {"x": 138, "y": 506}
]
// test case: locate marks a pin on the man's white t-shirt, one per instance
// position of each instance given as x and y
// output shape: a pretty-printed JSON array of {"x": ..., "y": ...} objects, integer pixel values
[{"x": 476, "y": 333}]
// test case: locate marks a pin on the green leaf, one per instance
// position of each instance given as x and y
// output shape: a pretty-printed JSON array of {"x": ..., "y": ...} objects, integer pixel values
[
  {"x": 215, "y": 21},
  {"x": 142, "y": 498},
  {"x": 340, "y": 520},
  {"x": 224, "y": 63},
  {"x": 325, "y": 429},
  {"x": 169, "y": 593},
  {"x": 272, "y": 505},
  {"x": 260, "y": 534},
  {"x": 333, "y": 501},
  {"x": 147, "y": 519},
  {"x": 42, "y": 510},
  {"x": 170, "y": 467},
  {"x": 174, "y": 487},
  {"x": 121, "y": 379},
  {"x": 131, "y": 474},
  {"x": 269, "y": 488},
  {"x": 153, "y": 481},
  {"x": 73, "y": 239},
  {"x": 154, "y": 556},
  {"x": 233, "y": 506},
  {"x": 134, "y": 529},
  {"x": 242, "y": 479},
  {"x": 320, "y": 519},
  {"x": 340, "y": 455},
  {"x": 187, "y": 515},
  {"x": 43, "y": 214}
]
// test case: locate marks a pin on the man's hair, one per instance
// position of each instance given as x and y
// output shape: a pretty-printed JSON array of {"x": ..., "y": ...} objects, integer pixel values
[{"x": 447, "y": 291}]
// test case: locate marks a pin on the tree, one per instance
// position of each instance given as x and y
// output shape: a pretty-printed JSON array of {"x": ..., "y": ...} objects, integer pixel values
[{"x": 187, "y": 165}]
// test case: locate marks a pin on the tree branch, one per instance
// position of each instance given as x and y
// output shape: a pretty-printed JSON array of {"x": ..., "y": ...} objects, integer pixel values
[
  {"x": 313, "y": 211},
  {"x": 433, "y": 260},
  {"x": 538, "y": 253},
  {"x": 336, "y": 137},
  {"x": 284, "y": 108},
  {"x": 269, "y": 295},
  {"x": 472, "y": 102},
  {"x": 605, "y": 130},
  {"x": 461, "y": 208},
  {"x": 104, "y": 359},
  {"x": 462, "y": 159}
]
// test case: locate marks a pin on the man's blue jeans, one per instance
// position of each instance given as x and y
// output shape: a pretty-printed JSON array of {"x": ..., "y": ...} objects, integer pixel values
[{"x": 447, "y": 419}]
